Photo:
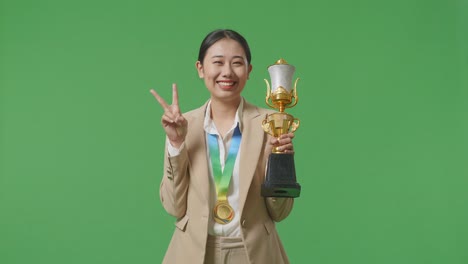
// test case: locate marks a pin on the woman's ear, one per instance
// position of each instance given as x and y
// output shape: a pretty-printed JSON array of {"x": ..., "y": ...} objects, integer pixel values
[
  {"x": 249, "y": 70},
  {"x": 199, "y": 67}
]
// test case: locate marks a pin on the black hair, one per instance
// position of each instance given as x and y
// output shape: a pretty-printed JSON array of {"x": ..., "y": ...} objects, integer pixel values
[{"x": 219, "y": 34}]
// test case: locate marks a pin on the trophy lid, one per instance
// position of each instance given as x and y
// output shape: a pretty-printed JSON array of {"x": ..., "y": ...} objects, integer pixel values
[{"x": 281, "y": 61}]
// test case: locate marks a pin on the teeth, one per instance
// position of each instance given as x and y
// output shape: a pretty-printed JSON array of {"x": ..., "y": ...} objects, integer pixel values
[{"x": 226, "y": 83}]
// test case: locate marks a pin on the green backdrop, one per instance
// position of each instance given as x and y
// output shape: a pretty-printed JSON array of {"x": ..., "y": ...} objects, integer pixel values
[{"x": 381, "y": 154}]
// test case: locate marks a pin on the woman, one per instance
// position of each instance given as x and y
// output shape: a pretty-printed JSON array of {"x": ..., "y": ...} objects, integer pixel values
[{"x": 215, "y": 164}]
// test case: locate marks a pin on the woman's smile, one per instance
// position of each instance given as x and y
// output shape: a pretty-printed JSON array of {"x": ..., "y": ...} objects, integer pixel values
[{"x": 226, "y": 85}]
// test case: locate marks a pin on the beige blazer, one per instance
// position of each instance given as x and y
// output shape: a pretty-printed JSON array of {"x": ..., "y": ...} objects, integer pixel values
[{"x": 184, "y": 193}]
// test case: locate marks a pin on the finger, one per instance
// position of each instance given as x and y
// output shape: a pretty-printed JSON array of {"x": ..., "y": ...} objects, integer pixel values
[
  {"x": 289, "y": 135},
  {"x": 274, "y": 141},
  {"x": 286, "y": 148},
  {"x": 167, "y": 120},
  {"x": 175, "y": 97},
  {"x": 169, "y": 117},
  {"x": 284, "y": 141},
  {"x": 160, "y": 100},
  {"x": 172, "y": 115},
  {"x": 180, "y": 120}
]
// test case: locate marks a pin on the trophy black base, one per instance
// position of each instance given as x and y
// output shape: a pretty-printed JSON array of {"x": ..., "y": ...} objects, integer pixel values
[{"x": 280, "y": 178}]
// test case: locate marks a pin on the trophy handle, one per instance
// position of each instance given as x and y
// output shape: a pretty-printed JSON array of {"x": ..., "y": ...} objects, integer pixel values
[
  {"x": 295, "y": 124},
  {"x": 268, "y": 94},
  {"x": 294, "y": 95}
]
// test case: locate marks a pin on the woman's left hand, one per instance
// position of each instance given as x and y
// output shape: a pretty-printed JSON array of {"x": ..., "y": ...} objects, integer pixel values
[{"x": 284, "y": 143}]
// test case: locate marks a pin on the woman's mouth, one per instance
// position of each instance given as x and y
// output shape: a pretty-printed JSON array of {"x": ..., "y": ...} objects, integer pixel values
[{"x": 226, "y": 84}]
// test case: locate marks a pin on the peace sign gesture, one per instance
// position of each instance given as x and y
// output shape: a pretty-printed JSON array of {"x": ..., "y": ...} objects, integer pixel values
[{"x": 172, "y": 120}]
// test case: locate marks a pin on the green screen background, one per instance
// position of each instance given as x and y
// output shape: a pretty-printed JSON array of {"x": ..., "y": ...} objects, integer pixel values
[{"x": 381, "y": 153}]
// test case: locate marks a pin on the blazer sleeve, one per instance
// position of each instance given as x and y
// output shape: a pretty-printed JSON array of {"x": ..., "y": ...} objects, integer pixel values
[
  {"x": 279, "y": 207},
  {"x": 174, "y": 184}
]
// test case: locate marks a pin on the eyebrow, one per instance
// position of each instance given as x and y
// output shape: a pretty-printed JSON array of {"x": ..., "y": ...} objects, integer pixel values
[{"x": 221, "y": 56}]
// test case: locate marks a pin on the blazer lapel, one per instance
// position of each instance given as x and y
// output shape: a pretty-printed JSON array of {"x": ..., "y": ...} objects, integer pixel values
[{"x": 251, "y": 147}]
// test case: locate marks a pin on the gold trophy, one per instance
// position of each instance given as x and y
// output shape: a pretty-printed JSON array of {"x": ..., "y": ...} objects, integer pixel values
[{"x": 280, "y": 178}]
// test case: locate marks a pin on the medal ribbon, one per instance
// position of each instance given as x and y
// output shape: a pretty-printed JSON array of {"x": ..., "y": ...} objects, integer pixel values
[{"x": 223, "y": 177}]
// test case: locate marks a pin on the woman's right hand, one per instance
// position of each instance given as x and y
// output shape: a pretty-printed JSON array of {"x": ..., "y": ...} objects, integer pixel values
[{"x": 174, "y": 124}]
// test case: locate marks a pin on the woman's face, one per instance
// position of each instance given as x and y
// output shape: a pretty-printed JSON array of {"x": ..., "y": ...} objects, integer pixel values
[{"x": 224, "y": 69}]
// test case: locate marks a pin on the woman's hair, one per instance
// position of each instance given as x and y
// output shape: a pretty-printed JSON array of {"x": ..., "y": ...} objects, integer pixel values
[{"x": 218, "y": 34}]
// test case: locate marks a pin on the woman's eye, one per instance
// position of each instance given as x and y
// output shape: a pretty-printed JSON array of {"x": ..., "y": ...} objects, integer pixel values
[
  {"x": 218, "y": 62},
  {"x": 238, "y": 63}
]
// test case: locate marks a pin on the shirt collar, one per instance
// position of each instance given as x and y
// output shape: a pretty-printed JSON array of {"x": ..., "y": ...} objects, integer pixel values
[{"x": 210, "y": 127}]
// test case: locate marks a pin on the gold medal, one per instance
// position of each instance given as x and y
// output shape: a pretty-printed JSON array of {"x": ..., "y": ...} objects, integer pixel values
[{"x": 223, "y": 212}]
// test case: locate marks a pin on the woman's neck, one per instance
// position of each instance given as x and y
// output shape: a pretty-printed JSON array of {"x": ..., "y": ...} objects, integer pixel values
[
  {"x": 223, "y": 114},
  {"x": 224, "y": 109}
]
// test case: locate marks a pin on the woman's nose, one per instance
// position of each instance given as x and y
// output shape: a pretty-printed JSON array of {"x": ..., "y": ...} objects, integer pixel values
[{"x": 227, "y": 70}]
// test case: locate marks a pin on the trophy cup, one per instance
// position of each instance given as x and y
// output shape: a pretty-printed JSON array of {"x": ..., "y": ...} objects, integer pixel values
[{"x": 280, "y": 178}]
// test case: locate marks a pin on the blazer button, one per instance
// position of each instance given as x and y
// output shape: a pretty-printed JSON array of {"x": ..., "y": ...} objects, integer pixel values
[{"x": 243, "y": 223}]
